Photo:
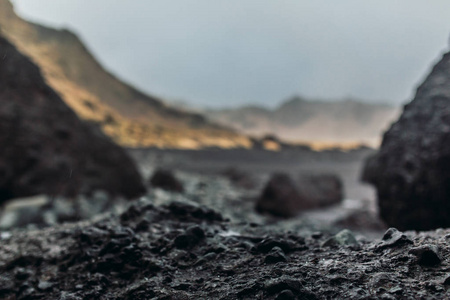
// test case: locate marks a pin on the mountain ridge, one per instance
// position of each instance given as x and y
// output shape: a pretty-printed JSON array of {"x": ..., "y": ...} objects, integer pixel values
[
  {"x": 301, "y": 120},
  {"x": 129, "y": 116}
]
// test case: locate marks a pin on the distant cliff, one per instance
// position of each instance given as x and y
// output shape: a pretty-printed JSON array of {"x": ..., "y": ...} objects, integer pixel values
[
  {"x": 297, "y": 119},
  {"x": 129, "y": 116}
]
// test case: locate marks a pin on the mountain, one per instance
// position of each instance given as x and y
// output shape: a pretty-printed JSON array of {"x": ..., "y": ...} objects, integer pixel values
[
  {"x": 299, "y": 120},
  {"x": 128, "y": 116}
]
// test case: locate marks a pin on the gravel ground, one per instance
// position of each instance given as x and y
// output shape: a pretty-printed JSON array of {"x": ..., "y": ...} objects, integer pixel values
[{"x": 186, "y": 251}]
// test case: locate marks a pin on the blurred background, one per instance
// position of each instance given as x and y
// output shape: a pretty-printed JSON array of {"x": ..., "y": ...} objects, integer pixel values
[{"x": 233, "y": 93}]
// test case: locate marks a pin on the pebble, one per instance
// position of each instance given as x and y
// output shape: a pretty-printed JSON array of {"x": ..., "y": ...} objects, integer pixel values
[
  {"x": 45, "y": 285},
  {"x": 316, "y": 235},
  {"x": 285, "y": 295},
  {"x": 447, "y": 280},
  {"x": 267, "y": 244},
  {"x": 343, "y": 238},
  {"x": 393, "y": 238},
  {"x": 427, "y": 255},
  {"x": 192, "y": 236},
  {"x": 282, "y": 283},
  {"x": 275, "y": 255}
]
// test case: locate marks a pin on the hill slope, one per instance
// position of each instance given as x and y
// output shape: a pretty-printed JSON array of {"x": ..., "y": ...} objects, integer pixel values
[
  {"x": 346, "y": 121},
  {"x": 130, "y": 117}
]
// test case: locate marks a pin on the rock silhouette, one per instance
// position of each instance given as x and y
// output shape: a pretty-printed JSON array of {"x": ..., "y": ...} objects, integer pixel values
[
  {"x": 166, "y": 180},
  {"x": 411, "y": 171},
  {"x": 284, "y": 197},
  {"x": 45, "y": 148}
]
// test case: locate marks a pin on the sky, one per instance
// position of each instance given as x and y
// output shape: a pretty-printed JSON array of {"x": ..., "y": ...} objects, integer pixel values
[{"x": 235, "y": 52}]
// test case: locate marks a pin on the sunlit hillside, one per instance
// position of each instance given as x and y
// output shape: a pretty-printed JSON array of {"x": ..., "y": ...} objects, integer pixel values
[{"x": 128, "y": 116}]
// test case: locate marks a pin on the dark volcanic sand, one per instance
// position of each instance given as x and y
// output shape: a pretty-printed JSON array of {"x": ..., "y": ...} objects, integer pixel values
[{"x": 181, "y": 251}]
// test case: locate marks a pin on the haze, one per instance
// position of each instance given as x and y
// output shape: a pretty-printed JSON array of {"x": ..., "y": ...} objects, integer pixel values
[{"x": 234, "y": 52}]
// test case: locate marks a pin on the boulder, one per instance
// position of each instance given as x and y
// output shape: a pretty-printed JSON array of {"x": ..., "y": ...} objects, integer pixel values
[
  {"x": 166, "y": 180},
  {"x": 45, "y": 148},
  {"x": 284, "y": 197},
  {"x": 411, "y": 171}
]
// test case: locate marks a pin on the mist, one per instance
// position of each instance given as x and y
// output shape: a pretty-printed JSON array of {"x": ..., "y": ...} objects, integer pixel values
[{"x": 215, "y": 54}]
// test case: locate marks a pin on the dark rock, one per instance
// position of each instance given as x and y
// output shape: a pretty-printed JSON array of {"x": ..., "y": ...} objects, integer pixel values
[
  {"x": 394, "y": 238},
  {"x": 190, "y": 238},
  {"x": 46, "y": 149},
  {"x": 189, "y": 210},
  {"x": 22, "y": 273},
  {"x": 317, "y": 235},
  {"x": 166, "y": 180},
  {"x": 343, "y": 238},
  {"x": 275, "y": 255},
  {"x": 279, "y": 197},
  {"x": 280, "y": 284},
  {"x": 411, "y": 171},
  {"x": 285, "y": 295},
  {"x": 283, "y": 283},
  {"x": 269, "y": 243},
  {"x": 284, "y": 197},
  {"x": 427, "y": 255}
]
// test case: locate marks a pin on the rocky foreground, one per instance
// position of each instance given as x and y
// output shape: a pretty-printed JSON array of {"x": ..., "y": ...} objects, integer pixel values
[{"x": 185, "y": 251}]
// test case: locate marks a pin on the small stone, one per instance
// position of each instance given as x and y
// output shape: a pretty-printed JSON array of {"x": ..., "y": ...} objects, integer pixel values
[
  {"x": 275, "y": 255},
  {"x": 267, "y": 244},
  {"x": 396, "y": 290},
  {"x": 5, "y": 235},
  {"x": 190, "y": 238},
  {"x": 447, "y": 280},
  {"x": 165, "y": 179},
  {"x": 286, "y": 295},
  {"x": 45, "y": 285},
  {"x": 427, "y": 255},
  {"x": 393, "y": 238},
  {"x": 282, "y": 283},
  {"x": 316, "y": 235},
  {"x": 196, "y": 231},
  {"x": 346, "y": 237}
]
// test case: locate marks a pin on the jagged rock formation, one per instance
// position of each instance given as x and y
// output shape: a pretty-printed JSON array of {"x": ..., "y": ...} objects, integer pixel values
[
  {"x": 127, "y": 115},
  {"x": 412, "y": 169},
  {"x": 297, "y": 120},
  {"x": 45, "y": 148}
]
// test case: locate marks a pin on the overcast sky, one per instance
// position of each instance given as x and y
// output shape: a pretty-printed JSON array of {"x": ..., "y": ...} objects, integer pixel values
[{"x": 230, "y": 52}]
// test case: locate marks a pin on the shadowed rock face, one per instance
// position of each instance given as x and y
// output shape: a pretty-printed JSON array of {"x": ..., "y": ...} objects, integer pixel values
[
  {"x": 411, "y": 171},
  {"x": 45, "y": 148},
  {"x": 166, "y": 180},
  {"x": 285, "y": 197}
]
